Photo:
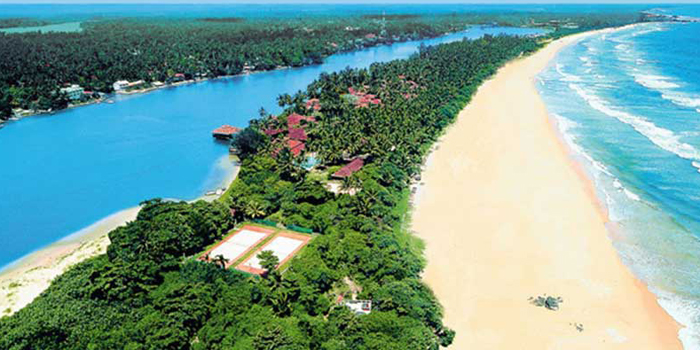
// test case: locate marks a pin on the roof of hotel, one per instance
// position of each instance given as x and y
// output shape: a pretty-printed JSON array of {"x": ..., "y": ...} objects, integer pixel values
[
  {"x": 295, "y": 118},
  {"x": 297, "y": 134},
  {"x": 296, "y": 147},
  {"x": 272, "y": 132},
  {"x": 350, "y": 168},
  {"x": 226, "y": 130}
]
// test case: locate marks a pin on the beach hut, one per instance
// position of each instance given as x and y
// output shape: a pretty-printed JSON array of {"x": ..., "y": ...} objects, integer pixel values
[{"x": 225, "y": 131}]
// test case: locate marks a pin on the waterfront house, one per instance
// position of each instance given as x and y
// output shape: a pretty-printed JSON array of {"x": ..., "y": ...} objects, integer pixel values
[
  {"x": 120, "y": 85},
  {"x": 225, "y": 132},
  {"x": 74, "y": 92}
]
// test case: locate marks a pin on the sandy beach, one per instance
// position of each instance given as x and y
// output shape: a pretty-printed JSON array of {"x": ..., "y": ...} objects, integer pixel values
[
  {"x": 506, "y": 215},
  {"x": 27, "y": 278}
]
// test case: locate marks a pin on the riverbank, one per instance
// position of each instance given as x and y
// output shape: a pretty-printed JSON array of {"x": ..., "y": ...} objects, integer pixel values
[
  {"x": 506, "y": 215},
  {"x": 26, "y": 278}
]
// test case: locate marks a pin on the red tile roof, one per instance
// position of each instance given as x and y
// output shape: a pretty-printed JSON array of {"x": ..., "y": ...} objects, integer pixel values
[
  {"x": 295, "y": 118},
  {"x": 226, "y": 130},
  {"x": 297, "y": 134},
  {"x": 296, "y": 147},
  {"x": 350, "y": 168},
  {"x": 272, "y": 132},
  {"x": 313, "y": 103}
]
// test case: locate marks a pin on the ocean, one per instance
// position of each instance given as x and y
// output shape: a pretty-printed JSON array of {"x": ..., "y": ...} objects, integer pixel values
[
  {"x": 70, "y": 12},
  {"x": 628, "y": 105}
]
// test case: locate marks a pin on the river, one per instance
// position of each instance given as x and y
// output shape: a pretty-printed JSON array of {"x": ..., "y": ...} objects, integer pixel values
[{"x": 62, "y": 172}]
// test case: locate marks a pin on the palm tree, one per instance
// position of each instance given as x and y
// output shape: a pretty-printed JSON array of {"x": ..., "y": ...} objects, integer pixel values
[
  {"x": 220, "y": 261},
  {"x": 254, "y": 209}
]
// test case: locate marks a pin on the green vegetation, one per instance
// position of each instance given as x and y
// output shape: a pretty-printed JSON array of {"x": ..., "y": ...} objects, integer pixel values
[
  {"x": 34, "y": 66},
  {"x": 147, "y": 292},
  {"x": 21, "y": 22}
]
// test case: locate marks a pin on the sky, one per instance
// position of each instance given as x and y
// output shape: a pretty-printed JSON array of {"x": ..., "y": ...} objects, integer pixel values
[{"x": 354, "y": 1}]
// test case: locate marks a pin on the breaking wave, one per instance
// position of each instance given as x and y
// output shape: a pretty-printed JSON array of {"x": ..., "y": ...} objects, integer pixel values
[{"x": 664, "y": 138}]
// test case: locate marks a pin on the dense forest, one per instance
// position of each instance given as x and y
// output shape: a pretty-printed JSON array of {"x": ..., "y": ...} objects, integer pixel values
[
  {"x": 35, "y": 66},
  {"x": 150, "y": 292}
]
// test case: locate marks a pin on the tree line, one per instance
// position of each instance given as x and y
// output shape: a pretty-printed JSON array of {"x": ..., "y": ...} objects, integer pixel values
[{"x": 34, "y": 66}]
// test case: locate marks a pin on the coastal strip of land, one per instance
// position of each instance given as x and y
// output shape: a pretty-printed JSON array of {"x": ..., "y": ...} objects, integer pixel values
[
  {"x": 507, "y": 217},
  {"x": 27, "y": 278},
  {"x": 21, "y": 283}
]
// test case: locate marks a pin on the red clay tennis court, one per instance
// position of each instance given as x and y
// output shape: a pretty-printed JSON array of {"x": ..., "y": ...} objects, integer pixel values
[
  {"x": 284, "y": 245},
  {"x": 239, "y": 243}
]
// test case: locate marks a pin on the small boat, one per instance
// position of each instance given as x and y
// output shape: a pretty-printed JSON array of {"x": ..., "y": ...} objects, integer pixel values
[{"x": 110, "y": 101}]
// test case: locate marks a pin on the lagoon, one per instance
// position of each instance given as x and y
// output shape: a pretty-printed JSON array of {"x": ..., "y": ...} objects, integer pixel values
[
  {"x": 69, "y": 27},
  {"x": 62, "y": 172}
]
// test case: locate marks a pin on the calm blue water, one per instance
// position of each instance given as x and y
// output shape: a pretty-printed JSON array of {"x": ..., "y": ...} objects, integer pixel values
[
  {"x": 628, "y": 103},
  {"x": 82, "y": 12},
  {"x": 61, "y": 173}
]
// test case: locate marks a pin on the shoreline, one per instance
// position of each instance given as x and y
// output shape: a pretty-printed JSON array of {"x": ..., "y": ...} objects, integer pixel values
[
  {"x": 497, "y": 232},
  {"x": 25, "y": 278},
  {"x": 113, "y": 94}
]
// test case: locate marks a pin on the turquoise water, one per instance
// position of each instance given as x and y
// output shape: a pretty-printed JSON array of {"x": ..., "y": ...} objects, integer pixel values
[
  {"x": 628, "y": 104},
  {"x": 62, "y": 172},
  {"x": 69, "y": 27}
]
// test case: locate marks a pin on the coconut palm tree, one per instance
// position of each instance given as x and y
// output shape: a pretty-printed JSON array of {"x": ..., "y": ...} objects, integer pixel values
[
  {"x": 220, "y": 261},
  {"x": 254, "y": 209}
]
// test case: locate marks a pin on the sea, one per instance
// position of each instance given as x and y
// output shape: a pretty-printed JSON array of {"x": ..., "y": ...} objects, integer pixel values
[{"x": 627, "y": 103}]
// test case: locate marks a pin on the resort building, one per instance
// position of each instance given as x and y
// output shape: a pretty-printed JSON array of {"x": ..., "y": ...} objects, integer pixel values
[
  {"x": 225, "y": 132},
  {"x": 178, "y": 77},
  {"x": 349, "y": 169},
  {"x": 125, "y": 84},
  {"x": 74, "y": 92},
  {"x": 295, "y": 147},
  {"x": 120, "y": 85},
  {"x": 359, "y": 307}
]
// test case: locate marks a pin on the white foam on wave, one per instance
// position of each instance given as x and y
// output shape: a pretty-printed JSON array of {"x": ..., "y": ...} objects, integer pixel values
[
  {"x": 696, "y": 165},
  {"x": 631, "y": 195},
  {"x": 656, "y": 82},
  {"x": 586, "y": 61},
  {"x": 682, "y": 100},
  {"x": 652, "y": 29},
  {"x": 566, "y": 126},
  {"x": 622, "y": 47},
  {"x": 566, "y": 76},
  {"x": 663, "y": 138},
  {"x": 686, "y": 312}
]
